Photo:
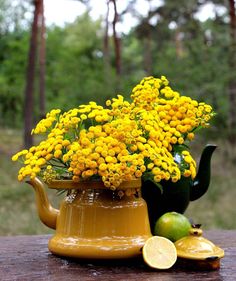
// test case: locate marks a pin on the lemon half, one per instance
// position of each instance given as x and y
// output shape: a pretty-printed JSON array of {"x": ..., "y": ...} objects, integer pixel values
[{"x": 159, "y": 252}]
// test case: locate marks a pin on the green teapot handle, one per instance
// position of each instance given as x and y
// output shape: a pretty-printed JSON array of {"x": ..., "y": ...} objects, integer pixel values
[{"x": 202, "y": 181}]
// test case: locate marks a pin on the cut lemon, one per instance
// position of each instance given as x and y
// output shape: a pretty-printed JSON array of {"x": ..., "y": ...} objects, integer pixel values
[{"x": 159, "y": 252}]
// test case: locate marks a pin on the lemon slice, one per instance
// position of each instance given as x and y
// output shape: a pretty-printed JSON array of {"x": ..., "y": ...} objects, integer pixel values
[{"x": 159, "y": 252}]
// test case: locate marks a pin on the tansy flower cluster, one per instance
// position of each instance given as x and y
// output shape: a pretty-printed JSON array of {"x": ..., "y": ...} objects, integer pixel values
[{"x": 144, "y": 138}]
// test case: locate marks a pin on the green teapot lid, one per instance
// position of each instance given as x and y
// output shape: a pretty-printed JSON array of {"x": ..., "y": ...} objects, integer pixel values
[{"x": 196, "y": 247}]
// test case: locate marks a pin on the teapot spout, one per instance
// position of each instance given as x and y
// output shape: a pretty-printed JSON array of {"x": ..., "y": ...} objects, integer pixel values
[
  {"x": 202, "y": 180},
  {"x": 47, "y": 214}
]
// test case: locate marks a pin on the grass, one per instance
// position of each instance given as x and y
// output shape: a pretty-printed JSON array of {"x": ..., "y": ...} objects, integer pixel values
[{"x": 18, "y": 214}]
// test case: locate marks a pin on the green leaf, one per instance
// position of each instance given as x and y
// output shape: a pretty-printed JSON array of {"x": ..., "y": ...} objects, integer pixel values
[
  {"x": 178, "y": 148},
  {"x": 149, "y": 177}
]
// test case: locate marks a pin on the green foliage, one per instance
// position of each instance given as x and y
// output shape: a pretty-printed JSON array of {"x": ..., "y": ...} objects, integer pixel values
[
  {"x": 75, "y": 71},
  {"x": 192, "y": 54},
  {"x": 13, "y": 53},
  {"x": 12, "y": 73}
]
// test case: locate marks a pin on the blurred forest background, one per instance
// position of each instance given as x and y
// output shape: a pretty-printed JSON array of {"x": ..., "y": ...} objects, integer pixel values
[{"x": 47, "y": 66}]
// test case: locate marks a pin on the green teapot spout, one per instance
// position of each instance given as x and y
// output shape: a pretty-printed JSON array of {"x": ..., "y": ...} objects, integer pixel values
[{"x": 202, "y": 180}]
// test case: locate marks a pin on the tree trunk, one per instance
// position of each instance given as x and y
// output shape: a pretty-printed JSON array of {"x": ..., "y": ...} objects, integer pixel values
[
  {"x": 106, "y": 51},
  {"x": 232, "y": 78},
  {"x": 30, "y": 74},
  {"x": 106, "y": 36},
  {"x": 42, "y": 62},
  {"x": 178, "y": 44},
  {"x": 148, "y": 51},
  {"x": 148, "y": 44},
  {"x": 117, "y": 43}
]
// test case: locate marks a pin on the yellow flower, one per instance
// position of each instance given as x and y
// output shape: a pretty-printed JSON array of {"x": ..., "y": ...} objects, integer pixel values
[{"x": 126, "y": 140}]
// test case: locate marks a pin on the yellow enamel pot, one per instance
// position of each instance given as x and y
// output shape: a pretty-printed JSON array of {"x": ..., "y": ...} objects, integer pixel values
[{"x": 93, "y": 221}]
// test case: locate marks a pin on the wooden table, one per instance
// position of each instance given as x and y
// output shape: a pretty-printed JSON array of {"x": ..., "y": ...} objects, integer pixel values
[{"x": 24, "y": 258}]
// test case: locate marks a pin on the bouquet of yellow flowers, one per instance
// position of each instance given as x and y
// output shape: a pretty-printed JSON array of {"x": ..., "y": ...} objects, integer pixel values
[{"x": 142, "y": 138}]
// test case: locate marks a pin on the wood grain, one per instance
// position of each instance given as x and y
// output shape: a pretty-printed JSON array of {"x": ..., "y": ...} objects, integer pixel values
[{"x": 24, "y": 258}]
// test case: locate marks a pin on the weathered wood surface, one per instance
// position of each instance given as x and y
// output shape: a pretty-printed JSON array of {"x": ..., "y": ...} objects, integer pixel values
[{"x": 24, "y": 258}]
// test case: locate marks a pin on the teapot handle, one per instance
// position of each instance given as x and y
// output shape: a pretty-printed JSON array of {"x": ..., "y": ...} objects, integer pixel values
[{"x": 202, "y": 181}]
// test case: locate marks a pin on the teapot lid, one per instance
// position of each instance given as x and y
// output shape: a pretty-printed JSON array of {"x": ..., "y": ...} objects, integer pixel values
[{"x": 196, "y": 247}]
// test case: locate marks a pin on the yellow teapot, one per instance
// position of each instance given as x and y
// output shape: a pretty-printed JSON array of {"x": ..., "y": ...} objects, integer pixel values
[{"x": 93, "y": 221}]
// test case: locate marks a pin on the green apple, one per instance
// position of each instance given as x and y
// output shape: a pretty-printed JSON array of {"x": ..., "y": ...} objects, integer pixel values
[{"x": 173, "y": 226}]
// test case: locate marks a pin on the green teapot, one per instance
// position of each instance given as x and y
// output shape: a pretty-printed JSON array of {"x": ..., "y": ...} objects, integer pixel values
[{"x": 177, "y": 196}]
